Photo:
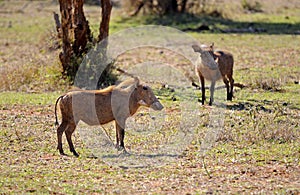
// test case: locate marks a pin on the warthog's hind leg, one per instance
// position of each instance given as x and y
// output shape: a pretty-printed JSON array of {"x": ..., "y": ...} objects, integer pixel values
[
  {"x": 225, "y": 80},
  {"x": 69, "y": 131},
  {"x": 60, "y": 131}
]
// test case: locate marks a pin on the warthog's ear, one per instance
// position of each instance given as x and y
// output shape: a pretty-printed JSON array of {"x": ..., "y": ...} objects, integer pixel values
[
  {"x": 142, "y": 103},
  {"x": 196, "y": 48},
  {"x": 136, "y": 81},
  {"x": 212, "y": 46},
  {"x": 217, "y": 60}
]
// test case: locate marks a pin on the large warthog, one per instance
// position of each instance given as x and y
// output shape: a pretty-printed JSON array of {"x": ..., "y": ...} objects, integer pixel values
[
  {"x": 214, "y": 65},
  {"x": 96, "y": 107}
]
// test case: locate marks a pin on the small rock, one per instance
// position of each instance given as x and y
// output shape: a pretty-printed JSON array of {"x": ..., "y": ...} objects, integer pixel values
[
  {"x": 172, "y": 90},
  {"x": 9, "y": 24}
]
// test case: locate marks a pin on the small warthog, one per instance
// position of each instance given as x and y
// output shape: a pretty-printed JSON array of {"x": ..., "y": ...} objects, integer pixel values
[
  {"x": 96, "y": 107},
  {"x": 214, "y": 65}
]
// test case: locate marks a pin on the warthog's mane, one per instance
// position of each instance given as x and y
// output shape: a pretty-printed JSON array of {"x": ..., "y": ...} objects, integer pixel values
[{"x": 127, "y": 83}]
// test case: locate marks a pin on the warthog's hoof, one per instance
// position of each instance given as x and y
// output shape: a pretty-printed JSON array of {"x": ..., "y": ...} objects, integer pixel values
[
  {"x": 119, "y": 148},
  {"x": 75, "y": 154},
  {"x": 61, "y": 152},
  {"x": 229, "y": 97},
  {"x": 124, "y": 153}
]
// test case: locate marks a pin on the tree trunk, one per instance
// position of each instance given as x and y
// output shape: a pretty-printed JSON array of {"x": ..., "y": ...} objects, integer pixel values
[
  {"x": 139, "y": 6},
  {"x": 66, "y": 25},
  {"x": 174, "y": 6},
  {"x": 104, "y": 80},
  {"x": 82, "y": 33},
  {"x": 58, "y": 25},
  {"x": 75, "y": 33},
  {"x": 183, "y": 6},
  {"x": 104, "y": 25}
]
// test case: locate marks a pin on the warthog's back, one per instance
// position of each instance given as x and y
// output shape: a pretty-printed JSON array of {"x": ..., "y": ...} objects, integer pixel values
[
  {"x": 91, "y": 107},
  {"x": 225, "y": 61},
  {"x": 102, "y": 106}
]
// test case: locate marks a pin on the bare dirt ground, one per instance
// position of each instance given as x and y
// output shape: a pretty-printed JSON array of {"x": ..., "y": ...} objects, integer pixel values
[{"x": 258, "y": 151}]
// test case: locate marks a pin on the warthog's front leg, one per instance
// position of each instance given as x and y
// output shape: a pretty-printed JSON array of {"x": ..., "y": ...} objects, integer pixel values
[
  {"x": 202, "y": 82},
  {"x": 231, "y": 80},
  {"x": 120, "y": 134},
  {"x": 212, "y": 90}
]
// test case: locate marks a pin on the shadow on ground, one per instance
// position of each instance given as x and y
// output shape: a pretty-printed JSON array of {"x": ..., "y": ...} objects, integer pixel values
[
  {"x": 259, "y": 105},
  {"x": 192, "y": 23}
]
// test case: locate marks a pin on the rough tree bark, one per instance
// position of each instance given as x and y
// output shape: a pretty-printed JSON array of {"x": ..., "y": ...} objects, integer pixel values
[
  {"x": 75, "y": 33},
  {"x": 160, "y": 7},
  {"x": 104, "y": 24},
  {"x": 58, "y": 25},
  {"x": 82, "y": 33},
  {"x": 139, "y": 5},
  {"x": 66, "y": 26},
  {"x": 173, "y": 7},
  {"x": 106, "y": 6},
  {"x": 183, "y": 6}
]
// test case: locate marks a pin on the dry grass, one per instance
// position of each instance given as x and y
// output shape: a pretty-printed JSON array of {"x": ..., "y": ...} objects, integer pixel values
[
  {"x": 256, "y": 152},
  {"x": 251, "y": 152},
  {"x": 28, "y": 62}
]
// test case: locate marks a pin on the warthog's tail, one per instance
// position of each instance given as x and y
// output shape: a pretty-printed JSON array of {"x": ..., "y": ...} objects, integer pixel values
[{"x": 56, "y": 121}]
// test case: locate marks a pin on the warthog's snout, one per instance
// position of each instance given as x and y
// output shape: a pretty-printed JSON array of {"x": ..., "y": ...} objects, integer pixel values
[
  {"x": 75, "y": 106},
  {"x": 157, "y": 106}
]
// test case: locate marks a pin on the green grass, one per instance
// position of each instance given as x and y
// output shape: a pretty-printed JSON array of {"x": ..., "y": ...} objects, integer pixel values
[
  {"x": 248, "y": 145},
  {"x": 271, "y": 23},
  {"x": 259, "y": 154},
  {"x": 34, "y": 99},
  {"x": 256, "y": 152}
]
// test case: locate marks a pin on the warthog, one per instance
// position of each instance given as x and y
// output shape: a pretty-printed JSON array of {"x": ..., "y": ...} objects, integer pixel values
[
  {"x": 96, "y": 107},
  {"x": 214, "y": 65}
]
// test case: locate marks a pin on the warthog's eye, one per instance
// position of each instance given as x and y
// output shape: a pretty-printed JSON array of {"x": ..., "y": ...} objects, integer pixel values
[{"x": 145, "y": 88}]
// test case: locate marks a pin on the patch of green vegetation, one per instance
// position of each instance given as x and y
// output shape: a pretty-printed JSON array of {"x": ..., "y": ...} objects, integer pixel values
[
  {"x": 275, "y": 97},
  {"x": 29, "y": 29},
  {"x": 259, "y": 153},
  {"x": 260, "y": 137},
  {"x": 21, "y": 98},
  {"x": 252, "y": 7},
  {"x": 260, "y": 23}
]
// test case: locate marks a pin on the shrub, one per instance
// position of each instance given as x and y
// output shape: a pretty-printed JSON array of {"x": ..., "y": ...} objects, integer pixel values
[{"x": 251, "y": 6}]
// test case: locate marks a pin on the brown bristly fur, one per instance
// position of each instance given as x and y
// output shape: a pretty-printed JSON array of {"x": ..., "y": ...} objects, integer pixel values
[
  {"x": 224, "y": 62},
  {"x": 96, "y": 107}
]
